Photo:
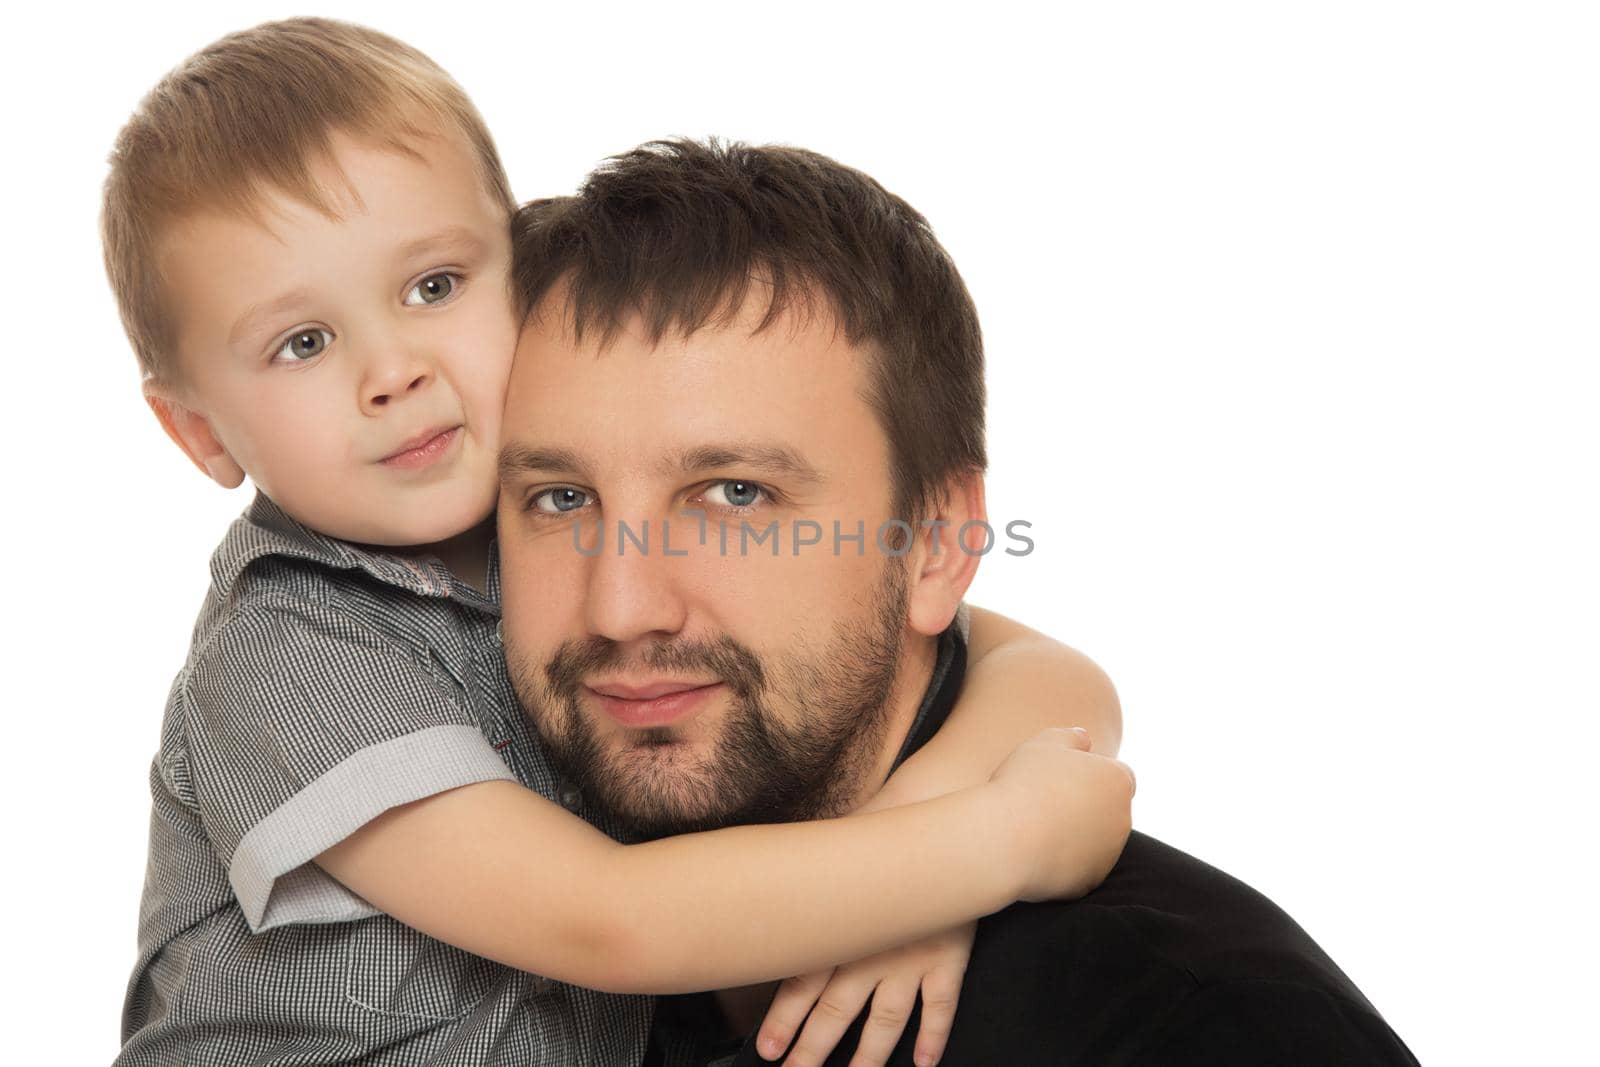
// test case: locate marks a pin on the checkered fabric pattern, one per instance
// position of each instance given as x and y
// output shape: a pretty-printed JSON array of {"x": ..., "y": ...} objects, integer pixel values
[{"x": 326, "y": 683}]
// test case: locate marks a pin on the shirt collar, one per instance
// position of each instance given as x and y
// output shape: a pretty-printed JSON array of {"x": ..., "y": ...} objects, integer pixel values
[
  {"x": 265, "y": 529},
  {"x": 944, "y": 685}
]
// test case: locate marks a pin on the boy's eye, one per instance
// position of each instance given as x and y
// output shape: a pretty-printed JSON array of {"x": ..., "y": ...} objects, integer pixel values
[
  {"x": 432, "y": 289},
  {"x": 559, "y": 500},
  {"x": 307, "y": 344},
  {"x": 735, "y": 493}
]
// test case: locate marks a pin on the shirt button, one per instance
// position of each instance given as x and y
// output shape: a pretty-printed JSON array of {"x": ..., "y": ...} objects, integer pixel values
[
  {"x": 541, "y": 985},
  {"x": 570, "y": 797},
  {"x": 500, "y": 630}
]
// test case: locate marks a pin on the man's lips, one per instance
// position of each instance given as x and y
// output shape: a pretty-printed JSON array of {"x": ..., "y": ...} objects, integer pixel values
[
  {"x": 424, "y": 448},
  {"x": 658, "y": 703}
]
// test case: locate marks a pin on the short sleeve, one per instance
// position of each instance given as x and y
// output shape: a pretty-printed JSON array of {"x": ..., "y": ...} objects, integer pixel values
[{"x": 303, "y": 725}]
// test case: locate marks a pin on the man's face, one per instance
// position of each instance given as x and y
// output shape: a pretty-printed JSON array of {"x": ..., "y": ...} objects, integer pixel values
[
  {"x": 702, "y": 679},
  {"x": 355, "y": 366}
]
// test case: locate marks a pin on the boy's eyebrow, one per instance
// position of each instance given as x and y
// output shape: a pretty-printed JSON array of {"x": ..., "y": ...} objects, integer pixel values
[
  {"x": 450, "y": 237},
  {"x": 520, "y": 459},
  {"x": 458, "y": 237},
  {"x": 251, "y": 319}
]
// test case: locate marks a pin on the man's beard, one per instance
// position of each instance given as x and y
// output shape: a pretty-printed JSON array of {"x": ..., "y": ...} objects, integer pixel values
[{"x": 760, "y": 770}]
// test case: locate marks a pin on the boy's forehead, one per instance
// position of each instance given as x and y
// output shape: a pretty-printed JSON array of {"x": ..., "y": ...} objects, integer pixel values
[
  {"x": 339, "y": 178},
  {"x": 233, "y": 268}
]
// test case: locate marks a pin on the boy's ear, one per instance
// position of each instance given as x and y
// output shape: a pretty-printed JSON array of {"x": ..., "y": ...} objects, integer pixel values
[
  {"x": 191, "y": 432},
  {"x": 942, "y": 563}
]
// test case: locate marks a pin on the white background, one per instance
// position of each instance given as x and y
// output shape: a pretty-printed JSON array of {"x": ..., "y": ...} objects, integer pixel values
[{"x": 1291, "y": 319}]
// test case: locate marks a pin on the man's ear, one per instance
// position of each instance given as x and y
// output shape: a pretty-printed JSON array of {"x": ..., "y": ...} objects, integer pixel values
[
  {"x": 942, "y": 562},
  {"x": 192, "y": 432}
]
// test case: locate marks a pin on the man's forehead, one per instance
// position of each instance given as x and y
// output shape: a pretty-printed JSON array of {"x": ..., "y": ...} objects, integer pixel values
[
  {"x": 675, "y": 412},
  {"x": 787, "y": 397},
  {"x": 736, "y": 369}
]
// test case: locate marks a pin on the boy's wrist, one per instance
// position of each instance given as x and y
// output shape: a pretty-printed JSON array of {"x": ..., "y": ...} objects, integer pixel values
[{"x": 1011, "y": 828}]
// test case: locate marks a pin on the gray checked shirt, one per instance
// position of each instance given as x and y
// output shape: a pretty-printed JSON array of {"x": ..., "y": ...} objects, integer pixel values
[{"x": 325, "y": 684}]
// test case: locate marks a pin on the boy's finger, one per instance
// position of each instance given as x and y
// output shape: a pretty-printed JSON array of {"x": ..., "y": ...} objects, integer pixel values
[
  {"x": 835, "y": 1010},
  {"x": 891, "y": 1007},
  {"x": 941, "y": 989},
  {"x": 787, "y": 1011},
  {"x": 1133, "y": 779}
]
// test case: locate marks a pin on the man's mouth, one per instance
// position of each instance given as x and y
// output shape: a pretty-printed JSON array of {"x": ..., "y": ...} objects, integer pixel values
[
  {"x": 423, "y": 449},
  {"x": 655, "y": 703}
]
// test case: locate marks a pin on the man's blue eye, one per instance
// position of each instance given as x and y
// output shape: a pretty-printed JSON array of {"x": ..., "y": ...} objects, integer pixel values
[
  {"x": 556, "y": 501},
  {"x": 735, "y": 494},
  {"x": 307, "y": 344}
]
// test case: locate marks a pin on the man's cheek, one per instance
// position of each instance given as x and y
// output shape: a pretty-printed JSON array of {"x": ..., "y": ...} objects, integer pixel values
[
  {"x": 818, "y": 583},
  {"x": 543, "y": 579}
]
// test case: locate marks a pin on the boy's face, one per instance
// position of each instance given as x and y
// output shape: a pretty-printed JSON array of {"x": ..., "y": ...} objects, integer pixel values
[{"x": 353, "y": 367}]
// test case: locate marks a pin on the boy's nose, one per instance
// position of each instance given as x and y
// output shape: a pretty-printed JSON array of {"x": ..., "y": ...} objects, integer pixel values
[{"x": 391, "y": 380}]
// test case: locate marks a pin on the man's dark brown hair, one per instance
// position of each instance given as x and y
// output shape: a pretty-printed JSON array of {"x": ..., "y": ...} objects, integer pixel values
[{"x": 679, "y": 231}]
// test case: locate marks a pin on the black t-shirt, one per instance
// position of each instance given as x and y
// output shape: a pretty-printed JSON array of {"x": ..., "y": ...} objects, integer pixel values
[{"x": 1170, "y": 961}]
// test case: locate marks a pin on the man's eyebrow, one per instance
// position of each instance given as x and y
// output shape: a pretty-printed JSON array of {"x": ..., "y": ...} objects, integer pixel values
[
  {"x": 253, "y": 318},
  {"x": 520, "y": 459},
  {"x": 770, "y": 458}
]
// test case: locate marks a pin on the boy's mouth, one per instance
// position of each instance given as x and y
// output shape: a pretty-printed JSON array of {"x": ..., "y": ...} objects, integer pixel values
[{"x": 423, "y": 449}]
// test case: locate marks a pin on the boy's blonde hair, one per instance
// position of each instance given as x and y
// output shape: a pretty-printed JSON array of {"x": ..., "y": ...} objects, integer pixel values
[{"x": 249, "y": 113}]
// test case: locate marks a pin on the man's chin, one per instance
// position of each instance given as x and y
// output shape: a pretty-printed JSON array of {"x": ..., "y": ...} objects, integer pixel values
[
  {"x": 657, "y": 783},
  {"x": 661, "y": 791}
]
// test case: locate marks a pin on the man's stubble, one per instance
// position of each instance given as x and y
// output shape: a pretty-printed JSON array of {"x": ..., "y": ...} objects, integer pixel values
[{"x": 760, "y": 770}]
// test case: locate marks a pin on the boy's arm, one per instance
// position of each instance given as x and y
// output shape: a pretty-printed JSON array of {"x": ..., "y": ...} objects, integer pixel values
[
  {"x": 497, "y": 870},
  {"x": 1018, "y": 682}
]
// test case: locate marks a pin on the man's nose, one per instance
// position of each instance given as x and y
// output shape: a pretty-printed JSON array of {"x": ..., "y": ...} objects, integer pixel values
[
  {"x": 637, "y": 592},
  {"x": 391, "y": 370}
]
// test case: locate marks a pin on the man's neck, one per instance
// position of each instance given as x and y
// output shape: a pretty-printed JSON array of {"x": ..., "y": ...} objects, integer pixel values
[
  {"x": 915, "y": 674},
  {"x": 465, "y": 555}
]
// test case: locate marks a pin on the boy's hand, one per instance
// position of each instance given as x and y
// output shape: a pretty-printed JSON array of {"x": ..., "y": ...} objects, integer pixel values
[
  {"x": 935, "y": 965},
  {"x": 1073, "y": 810}
]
